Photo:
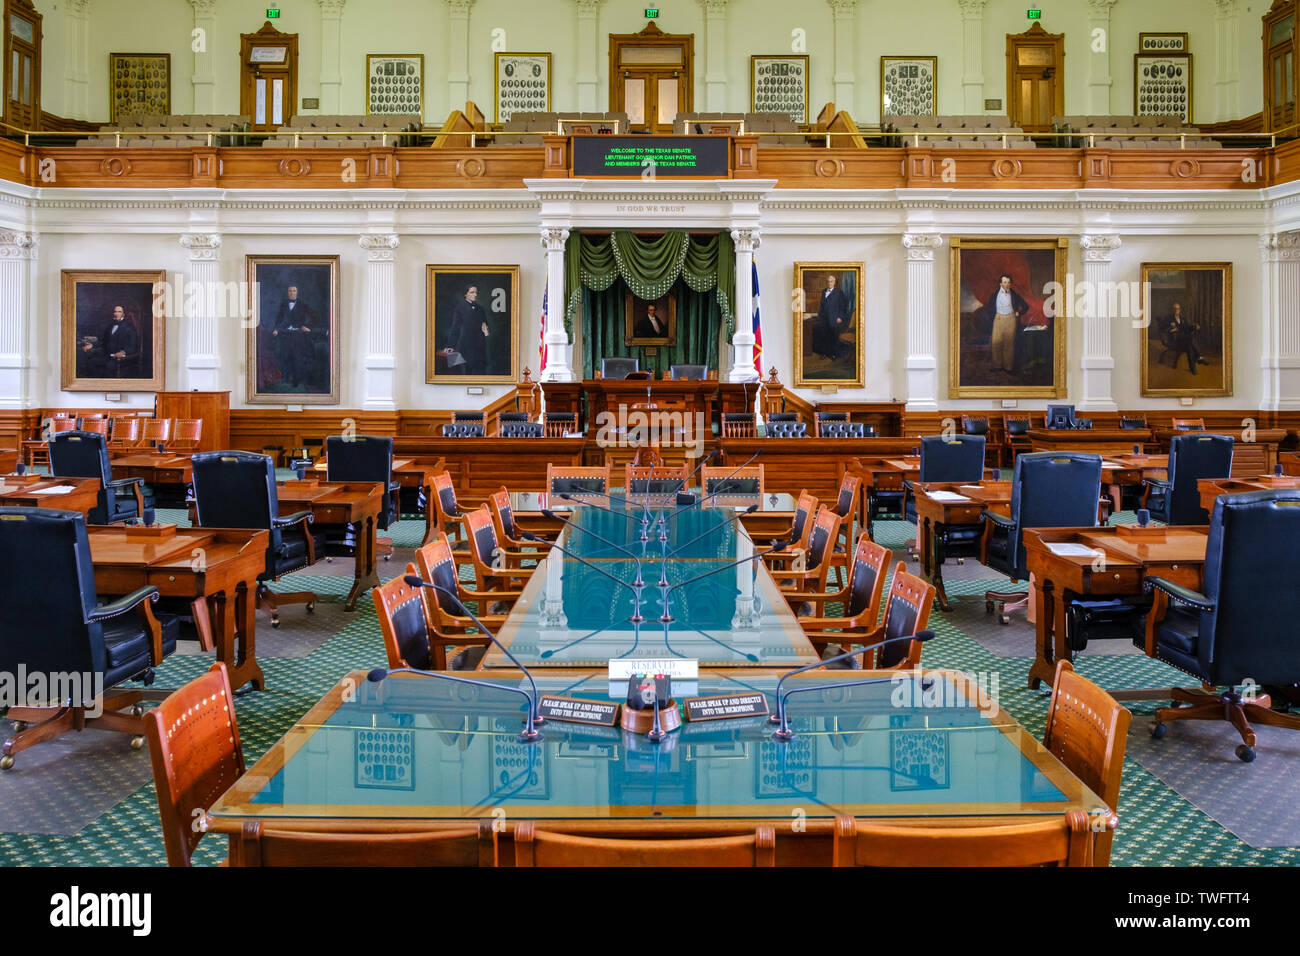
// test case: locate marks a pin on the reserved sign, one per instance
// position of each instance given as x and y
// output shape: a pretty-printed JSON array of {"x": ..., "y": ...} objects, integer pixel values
[
  {"x": 725, "y": 706},
  {"x": 602, "y": 713},
  {"x": 621, "y": 668}
]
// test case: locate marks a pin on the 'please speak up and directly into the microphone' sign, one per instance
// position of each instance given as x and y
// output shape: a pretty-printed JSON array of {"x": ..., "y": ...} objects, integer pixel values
[
  {"x": 577, "y": 711},
  {"x": 725, "y": 706}
]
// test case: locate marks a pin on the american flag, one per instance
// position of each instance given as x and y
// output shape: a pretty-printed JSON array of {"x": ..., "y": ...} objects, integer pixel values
[
  {"x": 541, "y": 337},
  {"x": 758, "y": 325}
]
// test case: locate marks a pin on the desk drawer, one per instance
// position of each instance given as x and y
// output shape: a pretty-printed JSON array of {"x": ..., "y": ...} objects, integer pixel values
[
  {"x": 331, "y": 514},
  {"x": 1115, "y": 580},
  {"x": 966, "y": 514},
  {"x": 1184, "y": 573}
]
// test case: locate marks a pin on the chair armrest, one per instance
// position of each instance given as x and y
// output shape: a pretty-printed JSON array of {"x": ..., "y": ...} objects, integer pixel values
[
  {"x": 1178, "y": 593},
  {"x": 1156, "y": 484},
  {"x": 125, "y": 482},
  {"x": 122, "y": 605},
  {"x": 285, "y": 520},
  {"x": 1002, "y": 521}
]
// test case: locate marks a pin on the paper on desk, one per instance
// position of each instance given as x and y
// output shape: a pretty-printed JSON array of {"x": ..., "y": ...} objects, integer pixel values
[
  {"x": 946, "y": 496},
  {"x": 1073, "y": 550},
  {"x": 56, "y": 490},
  {"x": 1112, "y": 464}
]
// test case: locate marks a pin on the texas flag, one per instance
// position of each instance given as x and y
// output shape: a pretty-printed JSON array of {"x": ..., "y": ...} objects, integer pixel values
[
  {"x": 758, "y": 325},
  {"x": 541, "y": 337}
]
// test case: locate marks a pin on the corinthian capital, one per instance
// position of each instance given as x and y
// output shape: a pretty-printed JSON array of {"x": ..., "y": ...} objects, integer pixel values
[
  {"x": 18, "y": 245},
  {"x": 380, "y": 247},
  {"x": 554, "y": 238},
  {"x": 921, "y": 246},
  {"x": 1098, "y": 248}
]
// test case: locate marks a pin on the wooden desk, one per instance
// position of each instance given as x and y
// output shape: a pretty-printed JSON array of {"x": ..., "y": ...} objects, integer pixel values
[
  {"x": 25, "y": 491},
  {"x": 1115, "y": 569},
  {"x": 154, "y": 468},
  {"x": 480, "y": 466},
  {"x": 213, "y": 567},
  {"x": 706, "y": 778},
  {"x": 883, "y": 474},
  {"x": 1290, "y": 462},
  {"x": 710, "y": 398},
  {"x": 409, "y": 474},
  {"x": 1122, "y": 471},
  {"x": 1099, "y": 441},
  {"x": 1211, "y": 488},
  {"x": 934, "y": 514},
  {"x": 338, "y": 503}
]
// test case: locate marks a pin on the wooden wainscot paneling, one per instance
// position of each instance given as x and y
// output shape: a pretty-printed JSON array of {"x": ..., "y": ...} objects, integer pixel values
[
  {"x": 253, "y": 429},
  {"x": 16, "y": 162},
  {"x": 836, "y": 168},
  {"x": 304, "y": 168},
  {"x": 744, "y": 157},
  {"x": 486, "y": 167},
  {"x": 109, "y": 168},
  {"x": 1181, "y": 168},
  {"x": 1284, "y": 165},
  {"x": 992, "y": 168},
  {"x": 18, "y": 425}
]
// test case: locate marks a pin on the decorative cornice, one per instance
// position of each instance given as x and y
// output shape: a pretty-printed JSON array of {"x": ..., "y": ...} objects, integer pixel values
[
  {"x": 203, "y": 246},
  {"x": 1101, "y": 8},
  {"x": 972, "y": 9},
  {"x": 204, "y": 8},
  {"x": 714, "y": 8},
  {"x": 554, "y": 238},
  {"x": 1280, "y": 247},
  {"x": 18, "y": 245},
  {"x": 332, "y": 8},
  {"x": 380, "y": 247},
  {"x": 1097, "y": 247},
  {"x": 843, "y": 8},
  {"x": 459, "y": 8},
  {"x": 746, "y": 238},
  {"x": 921, "y": 246},
  {"x": 1226, "y": 8},
  {"x": 588, "y": 8}
]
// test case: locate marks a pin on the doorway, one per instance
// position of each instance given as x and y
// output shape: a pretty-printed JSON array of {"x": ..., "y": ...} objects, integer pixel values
[
  {"x": 650, "y": 77},
  {"x": 1035, "y": 78}
]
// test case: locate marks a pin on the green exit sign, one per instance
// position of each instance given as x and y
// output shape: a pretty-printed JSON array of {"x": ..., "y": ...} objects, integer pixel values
[
  {"x": 273, "y": 13},
  {"x": 1034, "y": 14},
  {"x": 651, "y": 13}
]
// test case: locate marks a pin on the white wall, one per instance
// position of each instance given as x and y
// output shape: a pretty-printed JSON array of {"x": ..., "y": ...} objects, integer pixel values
[{"x": 919, "y": 27}]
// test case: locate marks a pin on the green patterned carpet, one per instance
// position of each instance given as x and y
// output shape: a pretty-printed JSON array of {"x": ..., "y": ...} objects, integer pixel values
[{"x": 1158, "y": 827}]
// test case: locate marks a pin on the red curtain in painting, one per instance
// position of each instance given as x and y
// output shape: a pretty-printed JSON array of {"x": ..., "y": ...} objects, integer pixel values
[{"x": 982, "y": 270}]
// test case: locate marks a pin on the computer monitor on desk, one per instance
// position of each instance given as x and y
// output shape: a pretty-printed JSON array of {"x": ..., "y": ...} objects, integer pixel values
[{"x": 1060, "y": 416}]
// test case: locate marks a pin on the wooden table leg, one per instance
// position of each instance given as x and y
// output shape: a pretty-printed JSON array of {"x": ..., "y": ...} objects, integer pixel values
[
  {"x": 932, "y": 567},
  {"x": 235, "y": 617},
  {"x": 246, "y": 612},
  {"x": 1043, "y": 596},
  {"x": 365, "y": 577}
]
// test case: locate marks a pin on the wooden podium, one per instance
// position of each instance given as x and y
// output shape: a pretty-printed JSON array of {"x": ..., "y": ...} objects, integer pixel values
[{"x": 607, "y": 395}]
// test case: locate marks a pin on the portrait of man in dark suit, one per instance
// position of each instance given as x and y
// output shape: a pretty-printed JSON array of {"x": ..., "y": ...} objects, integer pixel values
[
  {"x": 1187, "y": 342},
  {"x": 295, "y": 341},
  {"x": 113, "y": 326},
  {"x": 829, "y": 312},
  {"x": 296, "y": 333},
  {"x": 834, "y": 315},
  {"x": 114, "y": 352}
]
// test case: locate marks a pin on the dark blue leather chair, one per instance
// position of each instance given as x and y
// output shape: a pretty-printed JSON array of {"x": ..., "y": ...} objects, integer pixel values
[
  {"x": 464, "y": 430},
  {"x": 693, "y": 373},
  {"x": 522, "y": 430},
  {"x": 1241, "y": 629},
  {"x": 959, "y": 458},
  {"x": 787, "y": 429},
  {"x": 618, "y": 368},
  {"x": 236, "y": 489},
  {"x": 783, "y": 417},
  {"x": 469, "y": 417},
  {"x": 843, "y": 430},
  {"x": 1049, "y": 489},
  {"x": 363, "y": 458},
  {"x": 79, "y": 454},
  {"x": 1176, "y": 500},
  {"x": 1132, "y": 424},
  {"x": 53, "y": 629}
]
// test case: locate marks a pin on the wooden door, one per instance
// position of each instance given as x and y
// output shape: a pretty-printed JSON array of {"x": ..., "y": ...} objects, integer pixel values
[
  {"x": 268, "y": 81},
  {"x": 22, "y": 65},
  {"x": 1035, "y": 78},
  {"x": 1280, "y": 66},
  {"x": 650, "y": 77}
]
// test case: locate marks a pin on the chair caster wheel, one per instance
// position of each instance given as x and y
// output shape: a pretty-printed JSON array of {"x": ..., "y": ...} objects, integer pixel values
[
  {"x": 988, "y": 607},
  {"x": 961, "y": 562},
  {"x": 20, "y": 726},
  {"x": 329, "y": 560},
  {"x": 6, "y": 762},
  {"x": 311, "y": 606},
  {"x": 1004, "y": 619},
  {"x": 1245, "y": 754},
  {"x": 1159, "y": 730},
  {"x": 388, "y": 557},
  {"x": 137, "y": 743},
  {"x": 275, "y": 622},
  {"x": 137, "y": 710}
]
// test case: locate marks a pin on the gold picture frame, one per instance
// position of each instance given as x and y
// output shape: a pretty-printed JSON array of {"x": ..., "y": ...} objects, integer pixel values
[
  {"x": 139, "y": 83},
  {"x": 89, "y": 359},
  {"x": 1203, "y": 293},
  {"x": 390, "y": 83},
  {"x": 977, "y": 368},
  {"x": 522, "y": 84},
  {"x": 908, "y": 63},
  {"x": 635, "y": 310},
  {"x": 455, "y": 352},
  {"x": 822, "y": 356},
  {"x": 778, "y": 83},
  {"x": 294, "y": 354}
]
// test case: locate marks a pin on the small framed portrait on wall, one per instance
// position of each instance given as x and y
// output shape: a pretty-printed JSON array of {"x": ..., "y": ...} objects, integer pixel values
[
  {"x": 909, "y": 85},
  {"x": 139, "y": 83},
  {"x": 113, "y": 324},
  {"x": 650, "y": 323},
  {"x": 523, "y": 84},
  {"x": 779, "y": 84},
  {"x": 395, "y": 83}
]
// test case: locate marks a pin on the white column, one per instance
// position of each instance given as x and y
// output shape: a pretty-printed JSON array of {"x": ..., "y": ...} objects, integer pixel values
[
  {"x": 202, "y": 42},
  {"x": 381, "y": 320},
  {"x": 1227, "y": 60},
  {"x": 1097, "y": 363},
  {"x": 1280, "y": 361},
  {"x": 331, "y": 74},
  {"x": 589, "y": 53},
  {"x": 17, "y": 269},
  {"x": 845, "y": 78},
  {"x": 1099, "y": 46},
  {"x": 458, "y": 53},
  {"x": 76, "y": 51},
  {"x": 715, "y": 55},
  {"x": 198, "y": 302},
  {"x": 972, "y": 57},
  {"x": 922, "y": 319},
  {"x": 558, "y": 368},
  {"x": 743, "y": 368}
]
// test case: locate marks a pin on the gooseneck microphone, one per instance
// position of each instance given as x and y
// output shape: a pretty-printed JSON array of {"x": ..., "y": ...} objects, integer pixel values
[
  {"x": 715, "y": 494},
  {"x": 667, "y": 589},
  {"x": 717, "y": 527},
  {"x": 552, "y": 516},
  {"x": 528, "y": 735},
  {"x": 530, "y": 730},
  {"x": 783, "y": 732},
  {"x": 636, "y": 617}
]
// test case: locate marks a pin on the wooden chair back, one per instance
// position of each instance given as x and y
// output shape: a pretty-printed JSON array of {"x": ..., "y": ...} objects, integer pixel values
[
  {"x": 557, "y": 423},
  {"x": 804, "y": 509},
  {"x": 1056, "y": 841},
  {"x": 157, "y": 430},
  {"x": 738, "y": 426},
  {"x": 712, "y": 476},
  {"x": 867, "y": 578},
  {"x": 263, "y": 845},
  {"x": 98, "y": 425},
  {"x": 1189, "y": 424},
  {"x": 61, "y": 424},
  {"x": 907, "y": 610},
  {"x": 534, "y": 847},
  {"x": 558, "y": 478},
  {"x": 188, "y": 434},
  {"x": 194, "y": 744},
  {"x": 127, "y": 431},
  {"x": 483, "y": 547},
  {"x": 404, "y": 623},
  {"x": 446, "y": 512},
  {"x": 662, "y": 476},
  {"x": 1087, "y": 730}
]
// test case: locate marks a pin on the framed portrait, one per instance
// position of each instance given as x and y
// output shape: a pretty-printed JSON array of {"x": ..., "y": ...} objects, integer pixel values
[
  {"x": 523, "y": 84},
  {"x": 294, "y": 344},
  {"x": 1005, "y": 339},
  {"x": 828, "y": 349},
  {"x": 395, "y": 83},
  {"x": 1162, "y": 42},
  {"x": 471, "y": 324},
  {"x": 1162, "y": 85},
  {"x": 139, "y": 83},
  {"x": 779, "y": 84},
  {"x": 1187, "y": 341},
  {"x": 385, "y": 759},
  {"x": 909, "y": 85},
  {"x": 113, "y": 325},
  {"x": 650, "y": 323}
]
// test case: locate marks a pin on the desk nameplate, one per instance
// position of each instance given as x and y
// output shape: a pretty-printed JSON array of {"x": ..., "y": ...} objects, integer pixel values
[
  {"x": 725, "y": 706},
  {"x": 575, "y": 710}
]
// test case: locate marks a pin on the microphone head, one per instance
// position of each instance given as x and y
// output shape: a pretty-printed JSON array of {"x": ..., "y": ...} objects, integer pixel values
[
  {"x": 751, "y": 509},
  {"x": 566, "y": 496},
  {"x": 376, "y": 675},
  {"x": 414, "y": 580},
  {"x": 528, "y": 535},
  {"x": 923, "y": 636},
  {"x": 548, "y": 514}
]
